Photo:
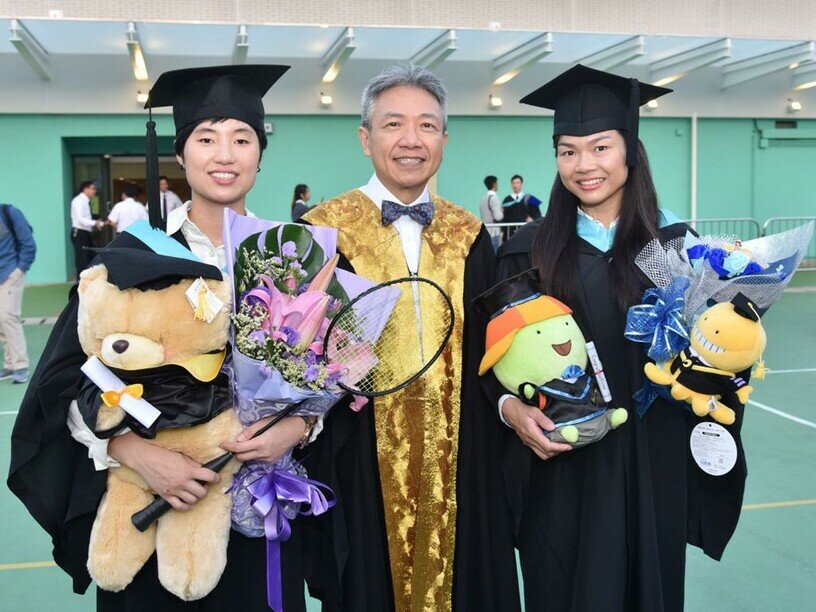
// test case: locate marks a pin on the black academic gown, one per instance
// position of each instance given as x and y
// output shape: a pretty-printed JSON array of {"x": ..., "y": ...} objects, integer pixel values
[
  {"x": 345, "y": 552},
  {"x": 52, "y": 475},
  {"x": 605, "y": 527}
]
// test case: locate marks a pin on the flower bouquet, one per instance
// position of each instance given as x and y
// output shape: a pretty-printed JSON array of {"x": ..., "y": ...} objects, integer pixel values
[
  {"x": 693, "y": 273},
  {"x": 286, "y": 289}
]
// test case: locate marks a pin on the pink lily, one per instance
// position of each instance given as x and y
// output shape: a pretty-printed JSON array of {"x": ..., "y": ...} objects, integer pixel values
[
  {"x": 312, "y": 319},
  {"x": 321, "y": 280}
]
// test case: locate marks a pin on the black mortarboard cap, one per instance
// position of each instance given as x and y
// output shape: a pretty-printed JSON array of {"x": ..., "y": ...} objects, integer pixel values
[
  {"x": 148, "y": 258},
  {"x": 509, "y": 292},
  {"x": 587, "y": 101},
  {"x": 196, "y": 94},
  {"x": 745, "y": 307}
]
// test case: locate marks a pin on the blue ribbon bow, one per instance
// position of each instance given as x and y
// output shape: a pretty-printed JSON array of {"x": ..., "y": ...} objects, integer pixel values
[
  {"x": 422, "y": 213},
  {"x": 270, "y": 493},
  {"x": 659, "y": 322}
]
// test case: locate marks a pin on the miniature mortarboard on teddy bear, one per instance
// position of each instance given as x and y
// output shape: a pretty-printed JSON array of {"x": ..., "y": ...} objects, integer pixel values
[{"x": 537, "y": 351}]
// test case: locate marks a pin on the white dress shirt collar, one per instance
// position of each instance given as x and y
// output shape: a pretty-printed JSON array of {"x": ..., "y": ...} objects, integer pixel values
[
  {"x": 377, "y": 192},
  {"x": 409, "y": 231}
]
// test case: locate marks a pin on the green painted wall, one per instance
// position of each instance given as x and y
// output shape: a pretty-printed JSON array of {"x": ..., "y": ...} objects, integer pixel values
[{"x": 736, "y": 177}]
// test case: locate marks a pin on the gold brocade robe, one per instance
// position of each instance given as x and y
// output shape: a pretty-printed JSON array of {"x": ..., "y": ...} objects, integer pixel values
[{"x": 418, "y": 427}]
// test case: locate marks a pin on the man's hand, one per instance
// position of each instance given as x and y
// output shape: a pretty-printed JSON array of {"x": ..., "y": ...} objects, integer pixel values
[
  {"x": 528, "y": 422},
  {"x": 270, "y": 445},
  {"x": 170, "y": 474}
]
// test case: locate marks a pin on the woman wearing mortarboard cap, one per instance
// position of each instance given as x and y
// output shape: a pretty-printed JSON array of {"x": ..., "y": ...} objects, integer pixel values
[
  {"x": 605, "y": 527},
  {"x": 218, "y": 114}
]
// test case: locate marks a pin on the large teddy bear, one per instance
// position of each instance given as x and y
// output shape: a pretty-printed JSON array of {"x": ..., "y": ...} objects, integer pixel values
[
  {"x": 166, "y": 342},
  {"x": 537, "y": 351}
]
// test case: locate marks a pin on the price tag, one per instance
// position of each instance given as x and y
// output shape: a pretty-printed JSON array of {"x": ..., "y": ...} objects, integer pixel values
[{"x": 713, "y": 448}]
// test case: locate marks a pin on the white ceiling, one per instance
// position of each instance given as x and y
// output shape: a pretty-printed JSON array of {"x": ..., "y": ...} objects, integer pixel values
[{"x": 83, "y": 51}]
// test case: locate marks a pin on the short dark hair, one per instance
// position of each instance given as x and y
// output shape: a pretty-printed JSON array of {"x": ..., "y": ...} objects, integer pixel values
[
  {"x": 84, "y": 185},
  {"x": 164, "y": 178},
  {"x": 517, "y": 176},
  {"x": 184, "y": 134},
  {"x": 490, "y": 181},
  {"x": 131, "y": 190}
]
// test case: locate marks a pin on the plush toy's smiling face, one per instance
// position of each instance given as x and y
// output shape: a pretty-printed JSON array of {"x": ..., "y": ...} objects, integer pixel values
[
  {"x": 727, "y": 340},
  {"x": 542, "y": 351},
  {"x": 135, "y": 329}
]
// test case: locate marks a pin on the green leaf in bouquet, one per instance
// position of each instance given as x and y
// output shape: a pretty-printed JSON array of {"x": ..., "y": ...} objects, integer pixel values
[
  {"x": 272, "y": 246},
  {"x": 314, "y": 260},
  {"x": 336, "y": 290},
  {"x": 298, "y": 234}
]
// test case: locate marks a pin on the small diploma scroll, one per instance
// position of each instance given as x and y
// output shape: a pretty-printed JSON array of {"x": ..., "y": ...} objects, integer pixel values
[
  {"x": 597, "y": 367},
  {"x": 141, "y": 410}
]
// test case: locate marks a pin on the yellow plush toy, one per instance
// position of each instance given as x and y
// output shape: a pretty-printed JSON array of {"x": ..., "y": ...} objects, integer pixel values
[
  {"x": 138, "y": 322},
  {"x": 727, "y": 339}
]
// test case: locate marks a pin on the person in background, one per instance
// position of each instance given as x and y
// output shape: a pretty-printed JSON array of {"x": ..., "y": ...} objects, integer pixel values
[
  {"x": 299, "y": 201},
  {"x": 169, "y": 200},
  {"x": 519, "y": 207},
  {"x": 17, "y": 251},
  {"x": 128, "y": 210},
  {"x": 491, "y": 209},
  {"x": 82, "y": 224}
]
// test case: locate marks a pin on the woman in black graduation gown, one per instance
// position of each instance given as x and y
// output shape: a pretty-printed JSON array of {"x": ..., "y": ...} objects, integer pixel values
[
  {"x": 50, "y": 471},
  {"x": 605, "y": 527}
]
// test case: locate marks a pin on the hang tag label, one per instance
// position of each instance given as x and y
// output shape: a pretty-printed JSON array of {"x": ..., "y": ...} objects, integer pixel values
[
  {"x": 205, "y": 304},
  {"x": 713, "y": 448}
]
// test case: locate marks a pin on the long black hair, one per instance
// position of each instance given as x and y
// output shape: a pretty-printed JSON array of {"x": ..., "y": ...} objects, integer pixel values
[
  {"x": 555, "y": 246},
  {"x": 300, "y": 191}
]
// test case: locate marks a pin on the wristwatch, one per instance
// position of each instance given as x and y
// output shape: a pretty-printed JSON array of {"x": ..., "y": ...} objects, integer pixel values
[{"x": 310, "y": 421}]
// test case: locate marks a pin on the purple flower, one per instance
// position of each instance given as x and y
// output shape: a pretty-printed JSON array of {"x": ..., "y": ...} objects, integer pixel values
[
  {"x": 334, "y": 305},
  {"x": 289, "y": 249},
  {"x": 291, "y": 335},
  {"x": 311, "y": 373},
  {"x": 265, "y": 369},
  {"x": 258, "y": 337},
  {"x": 277, "y": 260},
  {"x": 303, "y": 288},
  {"x": 333, "y": 379},
  {"x": 310, "y": 357}
]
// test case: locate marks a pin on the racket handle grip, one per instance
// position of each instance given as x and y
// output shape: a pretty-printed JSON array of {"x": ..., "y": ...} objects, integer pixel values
[{"x": 148, "y": 515}]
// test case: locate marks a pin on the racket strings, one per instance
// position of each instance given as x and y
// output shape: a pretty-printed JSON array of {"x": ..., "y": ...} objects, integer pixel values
[{"x": 390, "y": 335}]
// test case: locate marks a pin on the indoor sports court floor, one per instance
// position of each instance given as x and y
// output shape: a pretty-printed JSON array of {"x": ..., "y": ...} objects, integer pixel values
[{"x": 769, "y": 565}]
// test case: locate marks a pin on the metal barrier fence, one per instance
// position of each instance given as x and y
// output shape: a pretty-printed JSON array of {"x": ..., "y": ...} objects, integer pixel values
[{"x": 744, "y": 227}]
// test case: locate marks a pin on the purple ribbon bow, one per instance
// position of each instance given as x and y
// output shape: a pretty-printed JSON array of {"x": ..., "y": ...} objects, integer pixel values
[{"x": 269, "y": 495}]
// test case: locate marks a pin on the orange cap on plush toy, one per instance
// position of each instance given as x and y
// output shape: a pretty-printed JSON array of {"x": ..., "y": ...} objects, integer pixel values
[{"x": 513, "y": 304}]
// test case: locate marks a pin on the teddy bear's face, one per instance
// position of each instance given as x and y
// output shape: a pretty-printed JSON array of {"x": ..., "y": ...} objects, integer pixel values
[
  {"x": 541, "y": 352},
  {"x": 135, "y": 329},
  {"x": 727, "y": 340}
]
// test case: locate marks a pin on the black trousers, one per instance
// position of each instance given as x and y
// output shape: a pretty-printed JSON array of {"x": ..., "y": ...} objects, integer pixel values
[{"x": 82, "y": 258}]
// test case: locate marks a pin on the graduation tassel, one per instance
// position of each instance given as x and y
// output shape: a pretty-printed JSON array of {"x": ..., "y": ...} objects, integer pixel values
[
  {"x": 759, "y": 371},
  {"x": 154, "y": 210},
  {"x": 634, "y": 120}
]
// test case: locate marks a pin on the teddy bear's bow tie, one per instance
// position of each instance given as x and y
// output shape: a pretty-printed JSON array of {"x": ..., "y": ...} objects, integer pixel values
[{"x": 112, "y": 398}]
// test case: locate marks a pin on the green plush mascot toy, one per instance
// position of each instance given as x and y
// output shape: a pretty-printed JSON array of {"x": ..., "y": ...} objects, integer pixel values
[{"x": 538, "y": 352}]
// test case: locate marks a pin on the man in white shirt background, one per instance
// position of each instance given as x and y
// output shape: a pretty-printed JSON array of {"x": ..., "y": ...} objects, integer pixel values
[
  {"x": 491, "y": 210},
  {"x": 82, "y": 224},
  {"x": 128, "y": 210},
  {"x": 169, "y": 200}
]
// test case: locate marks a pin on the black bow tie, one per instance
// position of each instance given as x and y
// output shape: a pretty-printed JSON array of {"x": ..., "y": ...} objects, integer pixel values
[{"x": 422, "y": 213}]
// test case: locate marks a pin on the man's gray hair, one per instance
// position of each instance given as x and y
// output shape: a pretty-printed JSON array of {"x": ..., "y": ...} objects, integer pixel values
[{"x": 403, "y": 75}]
